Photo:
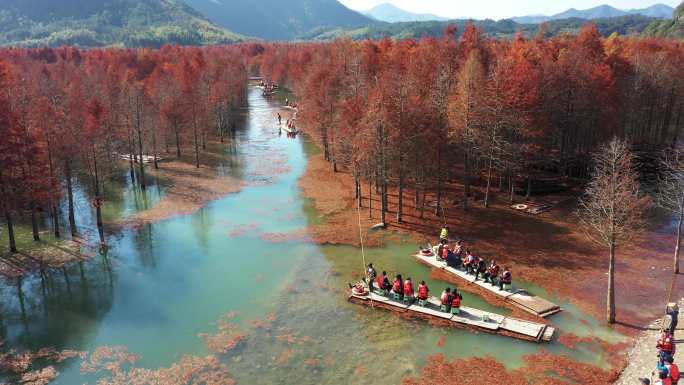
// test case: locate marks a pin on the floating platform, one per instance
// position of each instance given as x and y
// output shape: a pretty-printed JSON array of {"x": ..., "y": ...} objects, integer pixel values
[
  {"x": 516, "y": 296},
  {"x": 469, "y": 318}
]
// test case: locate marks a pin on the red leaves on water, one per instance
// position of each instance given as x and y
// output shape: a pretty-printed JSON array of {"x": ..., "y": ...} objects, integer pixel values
[
  {"x": 361, "y": 370},
  {"x": 285, "y": 356},
  {"x": 227, "y": 338},
  {"x": 266, "y": 324},
  {"x": 109, "y": 358},
  {"x": 541, "y": 369},
  {"x": 40, "y": 377},
  {"x": 441, "y": 342}
]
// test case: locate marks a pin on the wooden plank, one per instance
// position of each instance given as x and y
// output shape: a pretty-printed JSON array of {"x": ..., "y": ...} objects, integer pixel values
[
  {"x": 548, "y": 333},
  {"x": 536, "y": 304},
  {"x": 527, "y": 328}
]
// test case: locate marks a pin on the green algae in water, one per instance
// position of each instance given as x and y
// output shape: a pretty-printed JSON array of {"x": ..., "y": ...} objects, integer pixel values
[{"x": 162, "y": 285}]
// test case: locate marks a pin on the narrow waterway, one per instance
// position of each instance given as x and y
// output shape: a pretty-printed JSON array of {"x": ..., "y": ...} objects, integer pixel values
[{"x": 160, "y": 286}]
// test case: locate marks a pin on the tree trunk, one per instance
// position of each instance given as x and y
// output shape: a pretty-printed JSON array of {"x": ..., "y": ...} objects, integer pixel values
[
  {"x": 178, "y": 151},
  {"x": 466, "y": 179},
  {"x": 512, "y": 183},
  {"x": 679, "y": 239},
  {"x": 400, "y": 210},
  {"x": 197, "y": 162},
  {"x": 154, "y": 150},
  {"x": 55, "y": 221},
  {"x": 439, "y": 179},
  {"x": 141, "y": 164},
  {"x": 34, "y": 224},
  {"x": 70, "y": 198},
  {"x": 10, "y": 232},
  {"x": 528, "y": 194},
  {"x": 370, "y": 199},
  {"x": 610, "y": 309},
  {"x": 383, "y": 203},
  {"x": 489, "y": 179},
  {"x": 98, "y": 200}
]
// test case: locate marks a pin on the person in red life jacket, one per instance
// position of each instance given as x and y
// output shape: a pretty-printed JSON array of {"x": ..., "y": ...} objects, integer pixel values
[
  {"x": 423, "y": 291},
  {"x": 456, "y": 301},
  {"x": 398, "y": 287},
  {"x": 445, "y": 252},
  {"x": 409, "y": 294},
  {"x": 492, "y": 272},
  {"x": 446, "y": 299},
  {"x": 506, "y": 278},
  {"x": 673, "y": 370},
  {"x": 383, "y": 282}
]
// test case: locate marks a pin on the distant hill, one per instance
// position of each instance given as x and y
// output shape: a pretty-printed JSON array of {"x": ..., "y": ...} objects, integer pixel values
[
  {"x": 660, "y": 11},
  {"x": 96, "y": 23},
  {"x": 670, "y": 28},
  {"x": 391, "y": 14},
  {"x": 278, "y": 19},
  {"x": 624, "y": 25}
]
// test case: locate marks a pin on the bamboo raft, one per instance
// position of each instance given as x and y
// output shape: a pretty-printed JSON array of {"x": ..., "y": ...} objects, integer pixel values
[
  {"x": 469, "y": 318},
  {"x": 516, "y": 296}
]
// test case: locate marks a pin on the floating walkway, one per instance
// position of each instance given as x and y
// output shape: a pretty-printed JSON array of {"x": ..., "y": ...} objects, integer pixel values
[
  {"x": 469, "y": 318},
  {"x": 518, "y": 297}
]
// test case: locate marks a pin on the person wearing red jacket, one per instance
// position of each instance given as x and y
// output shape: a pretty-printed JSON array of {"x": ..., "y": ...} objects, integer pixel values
[
  {"x": 383, "y": 282},
  {"x": 673, "y": 370},
  {"x": 398, "y": 287},
  {"x": 423, "y": 291},
  {"x": 409, "y": 293}
]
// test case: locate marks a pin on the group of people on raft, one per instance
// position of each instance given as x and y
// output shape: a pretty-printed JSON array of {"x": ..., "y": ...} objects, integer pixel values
[
  {"x": 458, "y": 256},
  {"x": 666, "y": 370},
  {"x": 403, "y": 290}
]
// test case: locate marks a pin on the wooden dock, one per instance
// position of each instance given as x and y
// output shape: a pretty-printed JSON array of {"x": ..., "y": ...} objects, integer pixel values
[
  {"x": 516, "y": 296},
  {"x": 469, "y": 318}
]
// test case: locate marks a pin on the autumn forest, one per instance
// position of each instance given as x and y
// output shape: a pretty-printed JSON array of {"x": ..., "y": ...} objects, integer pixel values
[{"x": 439, "y": 130}]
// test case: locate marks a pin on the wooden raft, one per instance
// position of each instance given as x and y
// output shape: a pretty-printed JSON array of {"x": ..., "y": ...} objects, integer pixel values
[
  {"x": 518, "y": 297},
  {"x": 470, "y": 318}
]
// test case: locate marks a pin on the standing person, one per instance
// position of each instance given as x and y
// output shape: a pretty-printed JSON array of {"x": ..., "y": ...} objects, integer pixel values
[
  {"x": 456, "y": 301},
  {"x": 446, "y": 299},
  {"x": 444, "y": 235},
  {"x": 423, "y": 291},
  {"x": 409, "y": 294},
  {"x": 673, "y": 311},
  {"x": 280, "y": 119},
  {"x": 371, "y": 276}
]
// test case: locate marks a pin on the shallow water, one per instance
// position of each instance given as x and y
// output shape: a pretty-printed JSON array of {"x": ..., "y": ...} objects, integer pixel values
[{"x": 159, "y": 286}]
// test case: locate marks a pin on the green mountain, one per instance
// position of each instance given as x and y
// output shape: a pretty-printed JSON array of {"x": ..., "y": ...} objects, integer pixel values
[
  {"x": 671, "y": 28},
  {"x": 278, "y": 19},
  {"x": 96, "y": 23},
  {"x": 623, "y": 25}
]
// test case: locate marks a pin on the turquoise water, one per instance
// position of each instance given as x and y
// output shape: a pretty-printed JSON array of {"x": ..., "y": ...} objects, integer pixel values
[{"x": 160, "y": 286}]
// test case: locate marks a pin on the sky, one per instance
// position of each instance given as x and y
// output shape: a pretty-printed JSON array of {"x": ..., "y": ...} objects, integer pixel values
[{"x": 499, "y": 9}]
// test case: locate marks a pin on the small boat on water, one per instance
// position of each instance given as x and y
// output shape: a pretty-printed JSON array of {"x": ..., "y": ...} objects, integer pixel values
[
  {"x": 518, "y": 297},
  {"x": 467, "y": 318}
]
